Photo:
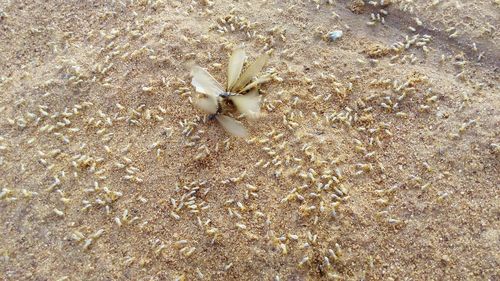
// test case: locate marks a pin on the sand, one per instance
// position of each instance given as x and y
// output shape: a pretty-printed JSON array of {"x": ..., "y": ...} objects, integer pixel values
[{"x": 376, "y": 158}]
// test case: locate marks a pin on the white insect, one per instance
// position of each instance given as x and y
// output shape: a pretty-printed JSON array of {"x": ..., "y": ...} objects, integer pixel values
[{"x": 240, "y": 90}]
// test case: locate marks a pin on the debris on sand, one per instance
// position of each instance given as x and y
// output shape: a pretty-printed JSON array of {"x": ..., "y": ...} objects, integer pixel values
[{"x": 335, "y": 35}]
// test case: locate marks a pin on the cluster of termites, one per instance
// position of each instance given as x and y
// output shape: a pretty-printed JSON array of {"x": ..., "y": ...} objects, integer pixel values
[
  {"x": 86, "y": 241},
  {"x": 92, "y": 169},
  {"x": 317, "y": 197},
  {"x": 189, "y": 201},
  {"x": 233, "y": 23}
]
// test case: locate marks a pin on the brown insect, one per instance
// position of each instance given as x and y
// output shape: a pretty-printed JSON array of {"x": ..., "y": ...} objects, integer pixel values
[{"x": 241, "y": 90}]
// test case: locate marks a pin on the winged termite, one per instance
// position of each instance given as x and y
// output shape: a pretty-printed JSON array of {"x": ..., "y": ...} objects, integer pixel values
[
  {"x": 251, "y": 71},
  {"x": 232, "y": 126},
  {"x": 240, "y": 91},
  {"x": 208, "y": 105},
  {"x": 248, "y": 104},
  {"x": 229, "y": 124},
  {"x": 257, "y": 81},
  {"x": 205, "y": 83},
  {"x": 234, "y": 68}
]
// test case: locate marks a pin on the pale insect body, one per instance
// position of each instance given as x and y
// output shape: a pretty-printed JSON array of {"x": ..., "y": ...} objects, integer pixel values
[{"x": 248, "y": 104}]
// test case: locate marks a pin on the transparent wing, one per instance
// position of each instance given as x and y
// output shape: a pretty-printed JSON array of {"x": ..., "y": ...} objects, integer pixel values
[
  {"x": 255, "y": 83},
  {"x": 205, "y": 83},
  {"x": 248, "y": 104},
  {"x": 232, "y": 126},
  {"x": 209, "y": 105},
  {"x": 251, "y": 71},
  {"x": 234, "y": 68}
]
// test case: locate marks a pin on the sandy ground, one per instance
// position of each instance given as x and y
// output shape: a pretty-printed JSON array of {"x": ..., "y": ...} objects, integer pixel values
[{"x": 377, "y": 157}]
